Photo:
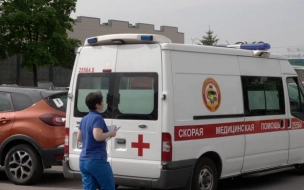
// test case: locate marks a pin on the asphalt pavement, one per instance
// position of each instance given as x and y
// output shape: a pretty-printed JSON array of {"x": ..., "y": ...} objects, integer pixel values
[{"x": 284, "y": 179}]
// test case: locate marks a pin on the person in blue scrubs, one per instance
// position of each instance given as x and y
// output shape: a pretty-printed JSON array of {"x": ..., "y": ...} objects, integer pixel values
[{"x": 93, "y": 132}]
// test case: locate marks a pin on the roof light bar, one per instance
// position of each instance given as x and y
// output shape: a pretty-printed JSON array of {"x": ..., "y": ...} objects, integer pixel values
[
  {"x": 117, "y": 39},
  {"x": 259, "y": 46}
]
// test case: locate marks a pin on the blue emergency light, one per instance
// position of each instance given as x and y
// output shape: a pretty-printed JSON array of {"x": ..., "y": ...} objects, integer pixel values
[
  {"x": 260, "y": 46},
  {"x": 146, "y": 38},
  {"x": 92, "y": 40}
]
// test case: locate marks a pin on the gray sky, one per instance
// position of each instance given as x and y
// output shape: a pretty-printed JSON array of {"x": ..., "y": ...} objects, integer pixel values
[{"x": 277, "y": 22}]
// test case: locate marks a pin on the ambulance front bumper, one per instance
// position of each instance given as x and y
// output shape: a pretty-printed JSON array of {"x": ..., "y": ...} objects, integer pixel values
[{"x": 172, "y": 175}]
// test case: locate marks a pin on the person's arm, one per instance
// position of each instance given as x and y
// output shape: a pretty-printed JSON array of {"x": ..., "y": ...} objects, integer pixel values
[
  {"x": 99, "y": 135},
  {"x": 79, "y": 136},
  {"x": 100, "y": 130}
]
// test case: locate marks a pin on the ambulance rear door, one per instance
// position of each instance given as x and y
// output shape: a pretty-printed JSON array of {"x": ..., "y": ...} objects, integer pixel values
[
  {"x": 91, "y": 75},
  {"x": 136, "y": 149}
]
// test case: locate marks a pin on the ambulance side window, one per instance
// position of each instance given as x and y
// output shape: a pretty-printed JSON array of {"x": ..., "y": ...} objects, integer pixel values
[
  {"x": 296, "y": 98},
  {"x": 263, "y": 96}
]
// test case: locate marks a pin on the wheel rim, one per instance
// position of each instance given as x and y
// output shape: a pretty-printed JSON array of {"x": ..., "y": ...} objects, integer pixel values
[
  {"x": 205, "y": 179},
  {"x": 20, "y": 165}
]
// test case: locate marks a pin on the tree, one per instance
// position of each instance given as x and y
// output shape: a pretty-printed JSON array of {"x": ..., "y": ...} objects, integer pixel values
[
  {"x": 209, "y": 40},
  {"x": 2, "y": 46},
  {"x": 36, "y": 30}
]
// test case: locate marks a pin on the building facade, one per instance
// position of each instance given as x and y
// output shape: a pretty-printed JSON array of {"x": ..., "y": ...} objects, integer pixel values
[{"x": 85, "y": 27}]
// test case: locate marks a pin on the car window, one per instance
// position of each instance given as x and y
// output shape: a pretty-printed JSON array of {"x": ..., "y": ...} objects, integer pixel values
[
  {"x": 293, "y": 91},
  {"x": 58, "y": 101},
  {"x": 4, "y": 103},
  {"x": 126, "y": 95},
  {"x": 263, "y": 95},
  {"x": 89, "y": 84},
  {"x": 136, "y": 95},
  {"x": 21, "y": 101},
  {"x": 296, "y": 98}
]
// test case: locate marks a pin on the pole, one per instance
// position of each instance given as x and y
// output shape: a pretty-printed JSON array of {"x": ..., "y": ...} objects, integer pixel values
[
  {"x": 18, "y": 70},
  {"x": 51, "y": 75}
]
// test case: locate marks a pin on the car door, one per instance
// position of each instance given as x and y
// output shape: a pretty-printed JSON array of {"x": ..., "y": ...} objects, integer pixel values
[
  {"x": 136, "y": 149},
  {"x": 267, "y": 145},
  {"x": 295, "y": 112},
  {"x": 92, "y": 73},
  {"x": 7, "y": 116}
]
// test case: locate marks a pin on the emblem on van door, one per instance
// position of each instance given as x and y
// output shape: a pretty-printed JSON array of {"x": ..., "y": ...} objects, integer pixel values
[
  {"x": 140, "y": 145},
  {"x": 211, "y": 94}
]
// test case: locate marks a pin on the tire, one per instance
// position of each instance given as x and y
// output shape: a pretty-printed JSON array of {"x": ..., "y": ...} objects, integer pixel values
[
  {"x": 205, "y": 176},
  {"x": 300, "y": 167},
  {"x": 24, "y": 171}
]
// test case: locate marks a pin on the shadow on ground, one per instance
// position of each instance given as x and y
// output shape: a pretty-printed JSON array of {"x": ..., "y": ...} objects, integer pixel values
[
  {"x": 276, "y": 180},
  {"x": 265, "y": 181}
]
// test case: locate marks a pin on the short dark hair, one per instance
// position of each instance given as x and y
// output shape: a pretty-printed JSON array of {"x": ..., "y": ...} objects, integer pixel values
[{"x": 92, "y": 99}]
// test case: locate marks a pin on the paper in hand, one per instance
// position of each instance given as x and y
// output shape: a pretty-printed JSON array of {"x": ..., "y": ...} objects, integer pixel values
[{"x": 112, "y": 127}]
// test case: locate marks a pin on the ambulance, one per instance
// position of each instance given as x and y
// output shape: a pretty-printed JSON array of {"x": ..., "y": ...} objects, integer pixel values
[{"x": 190, "y": 115}]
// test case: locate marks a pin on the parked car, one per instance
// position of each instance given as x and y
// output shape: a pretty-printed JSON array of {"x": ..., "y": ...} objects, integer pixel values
[{"x": 32, "y": 131}]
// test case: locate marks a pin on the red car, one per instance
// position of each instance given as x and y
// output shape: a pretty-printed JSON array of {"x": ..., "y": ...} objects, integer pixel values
[{"x": 31, "y": 131}]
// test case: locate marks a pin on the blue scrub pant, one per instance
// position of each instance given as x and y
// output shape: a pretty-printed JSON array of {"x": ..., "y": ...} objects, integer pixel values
[{"x": 96, "y": 172}]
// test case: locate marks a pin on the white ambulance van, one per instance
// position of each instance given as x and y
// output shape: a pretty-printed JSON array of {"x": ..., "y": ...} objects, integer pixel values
[{"x": 190, "y": 115}]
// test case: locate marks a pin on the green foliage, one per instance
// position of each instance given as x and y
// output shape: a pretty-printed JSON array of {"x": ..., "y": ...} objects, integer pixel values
[
  {"x": 209, "y": 40},
  {"x": 2, "y": 46},
  {"x": 36, "y": 30}
]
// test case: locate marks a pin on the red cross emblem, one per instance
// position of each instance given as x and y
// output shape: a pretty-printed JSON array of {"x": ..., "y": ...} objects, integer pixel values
[{"x": 140, "y": 145}]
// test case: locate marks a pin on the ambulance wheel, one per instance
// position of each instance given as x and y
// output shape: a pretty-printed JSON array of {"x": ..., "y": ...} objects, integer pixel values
[
  {"x": 300, "y": 167},
  {"x": 205, "y": 176}
]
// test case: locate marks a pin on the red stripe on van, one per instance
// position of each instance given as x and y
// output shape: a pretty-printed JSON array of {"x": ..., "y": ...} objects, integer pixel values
[
  {"x": 296, "y": 124},
  {"x": 192, "y": 132}
]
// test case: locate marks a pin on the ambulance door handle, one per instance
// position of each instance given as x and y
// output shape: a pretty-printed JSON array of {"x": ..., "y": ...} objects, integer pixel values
[
  {"x": 282, "y": 123},
  {"x": 142, "y": 126},
  {"x": 121, "y": 141}
]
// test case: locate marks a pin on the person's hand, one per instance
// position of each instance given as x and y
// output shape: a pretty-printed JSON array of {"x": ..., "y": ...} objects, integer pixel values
[{"x": 112, "y": 133}]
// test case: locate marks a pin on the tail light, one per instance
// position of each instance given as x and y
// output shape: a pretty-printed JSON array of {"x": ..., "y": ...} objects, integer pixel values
[
  {"x": 59, "y": 157},
  {"x": 66, "y": 142},
  {"x": 53, "y": 120},
  {"x": 166, "y": 147}
]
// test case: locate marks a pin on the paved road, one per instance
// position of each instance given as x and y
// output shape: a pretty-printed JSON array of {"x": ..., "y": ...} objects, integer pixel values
[{"x": 287, "y": 179}]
